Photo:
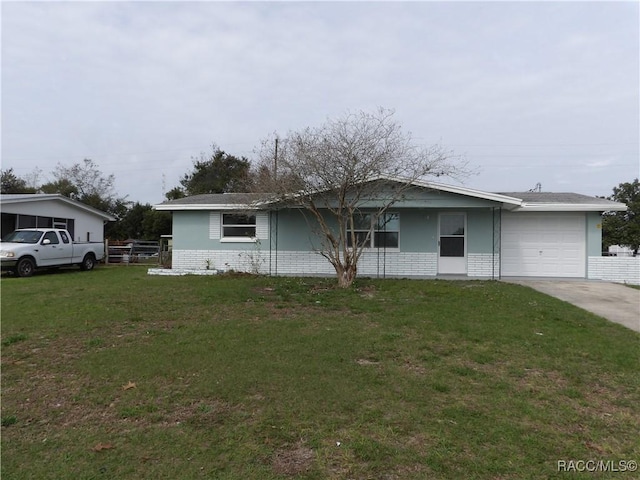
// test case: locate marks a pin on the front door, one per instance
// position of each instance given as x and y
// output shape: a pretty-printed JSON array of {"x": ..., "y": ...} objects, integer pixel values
[{"x": 452, "y": 244}]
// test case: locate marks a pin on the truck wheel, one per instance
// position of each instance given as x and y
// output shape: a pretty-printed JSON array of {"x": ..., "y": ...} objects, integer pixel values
[
  {"x": 25, "y": 267},
  {"x": 88, "y": 262}
]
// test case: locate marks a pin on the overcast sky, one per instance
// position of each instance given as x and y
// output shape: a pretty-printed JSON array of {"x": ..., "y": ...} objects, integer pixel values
[{"x": 526, "y": 92}]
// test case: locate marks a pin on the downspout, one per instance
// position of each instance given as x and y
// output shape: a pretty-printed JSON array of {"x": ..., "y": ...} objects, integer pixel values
[
  {"x": 493, "y": 244},
  {"x": 384, "y": 257},
  {"x": 373, "y": 235},
  {"x": 277, "y": 225},
  {"x": 500, "y": 242},
  {"x": 270, "y": 238}
]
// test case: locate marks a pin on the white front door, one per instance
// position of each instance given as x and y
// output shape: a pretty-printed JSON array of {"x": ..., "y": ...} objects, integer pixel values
[{"x": 452, "y": 244}]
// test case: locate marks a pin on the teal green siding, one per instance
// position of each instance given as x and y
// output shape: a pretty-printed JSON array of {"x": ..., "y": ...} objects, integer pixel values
[
  {"x": 421, "y": 197},
  {"x": 480, "y": 228},
  {"x": 191, "y": 231},
  {"x": 291, "y": 231},
  {"x": 418, "y": 230},
  {"x": 594, "y": 234},
  {"x": 424, "y": 198}
]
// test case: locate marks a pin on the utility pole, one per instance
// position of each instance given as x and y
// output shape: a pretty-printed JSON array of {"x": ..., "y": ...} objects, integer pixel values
[{"x": 275, "y": 161}]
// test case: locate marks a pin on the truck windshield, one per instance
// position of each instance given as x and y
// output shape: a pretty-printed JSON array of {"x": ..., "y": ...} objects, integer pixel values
[{"x": 26, "y": 236}]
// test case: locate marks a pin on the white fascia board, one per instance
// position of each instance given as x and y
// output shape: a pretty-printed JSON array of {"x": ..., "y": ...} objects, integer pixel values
[
  {"x": 32, "y": 197},
  {"x": 47, "y": 197},
  {"x": 570, "y": 207},
  {"x": 202, "y": 206}
]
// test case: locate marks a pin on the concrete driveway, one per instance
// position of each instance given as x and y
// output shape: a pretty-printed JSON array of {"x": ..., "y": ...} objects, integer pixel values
[{"x": 613, "y": 301}]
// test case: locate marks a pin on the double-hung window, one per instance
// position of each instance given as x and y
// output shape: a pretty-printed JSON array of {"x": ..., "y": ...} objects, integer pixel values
[
  {"x": 236, "y": 225},
  {"x": 361, "y": 229},
  {"x": 386, "y": 233},
  {"x": 371, "y": 232}
]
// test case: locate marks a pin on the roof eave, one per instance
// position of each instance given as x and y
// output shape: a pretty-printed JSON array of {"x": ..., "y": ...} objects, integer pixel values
[
  {"x": 205, "y": 206},
  {"x": 570, "y": 207}
]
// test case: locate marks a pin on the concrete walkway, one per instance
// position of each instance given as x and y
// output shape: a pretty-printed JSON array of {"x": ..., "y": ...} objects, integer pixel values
[{"x": 613, "y": 301}]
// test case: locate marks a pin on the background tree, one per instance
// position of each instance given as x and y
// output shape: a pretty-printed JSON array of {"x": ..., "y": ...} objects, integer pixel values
[
  {"x": 63, "y": 186},
  {"x": 155, "y": 224},
  {"x": 219, "y": 173},
  {"x": 11, "y": 183},
  {"x": 141, "y": 222},
  {"x": 623, "y": 228},
  {"x": 337, "y": 171},
  {"x": 175, "y": 193},
  {"x": 86, "y": 183}
]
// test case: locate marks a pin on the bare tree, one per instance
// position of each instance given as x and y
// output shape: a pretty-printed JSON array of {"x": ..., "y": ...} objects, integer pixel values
[
  {"x": 348, "y": 171},
  {"x": 86, "y": 183}
]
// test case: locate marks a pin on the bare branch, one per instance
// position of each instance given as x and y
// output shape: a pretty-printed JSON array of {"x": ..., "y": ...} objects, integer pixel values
[{"x": 361, "y": 163}]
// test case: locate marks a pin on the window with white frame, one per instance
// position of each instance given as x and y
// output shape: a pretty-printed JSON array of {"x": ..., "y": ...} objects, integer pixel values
[
  {"x": 237, "y": 225},
  {"x": 383, "y": 232}
]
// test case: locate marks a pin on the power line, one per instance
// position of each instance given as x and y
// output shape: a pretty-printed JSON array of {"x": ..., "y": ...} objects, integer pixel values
[{"x": 92, "y": 155}]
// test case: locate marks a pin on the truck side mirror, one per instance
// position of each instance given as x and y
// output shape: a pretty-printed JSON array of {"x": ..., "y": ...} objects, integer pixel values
[{"x": 46, "y": 241}]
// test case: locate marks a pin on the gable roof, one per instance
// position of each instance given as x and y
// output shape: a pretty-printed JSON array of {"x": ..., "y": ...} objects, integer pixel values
[
  {"x": 504, "y": 198},
  {"x": 514, "y": 201},
  {"x": 17, "y": 198}
]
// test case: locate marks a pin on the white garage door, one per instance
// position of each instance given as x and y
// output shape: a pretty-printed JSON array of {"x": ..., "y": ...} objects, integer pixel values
[{"x": 543, "y": 245}]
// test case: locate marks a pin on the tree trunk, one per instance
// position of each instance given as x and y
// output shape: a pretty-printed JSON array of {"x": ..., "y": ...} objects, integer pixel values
[{"x": 346, "y": 274}]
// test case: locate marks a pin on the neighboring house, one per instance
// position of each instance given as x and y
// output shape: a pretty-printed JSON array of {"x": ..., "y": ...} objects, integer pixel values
[
  {"x": 33, "y": 210},
  {"x": 435, "y": 230}
]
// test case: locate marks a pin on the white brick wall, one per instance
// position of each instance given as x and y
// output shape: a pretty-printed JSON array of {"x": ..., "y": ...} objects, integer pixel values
[
  {"x": 483, "y": 265},
  {"x": 306, "y": 263},
  {"x": 372, "y": 264},
  {"x": 615, "y": 269},
  {"x": 253, "y": 260}
]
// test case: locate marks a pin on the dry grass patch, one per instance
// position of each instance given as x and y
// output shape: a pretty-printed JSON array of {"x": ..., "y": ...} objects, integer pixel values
[{"x": 294, "y": 460}]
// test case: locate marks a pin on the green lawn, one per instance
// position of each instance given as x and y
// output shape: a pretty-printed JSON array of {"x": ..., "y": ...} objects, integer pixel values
[{"x": 116, "y": 374}]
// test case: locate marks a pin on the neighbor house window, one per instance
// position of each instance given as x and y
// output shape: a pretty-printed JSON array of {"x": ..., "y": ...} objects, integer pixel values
[
  {"x": 383, "y": 232},
  {"x": 60, "y": 223},
  {"x": 238, "y": 225}
]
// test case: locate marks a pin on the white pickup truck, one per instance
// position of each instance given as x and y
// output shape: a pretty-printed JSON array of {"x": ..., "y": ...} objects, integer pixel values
[{"x": 25, "y": 250}]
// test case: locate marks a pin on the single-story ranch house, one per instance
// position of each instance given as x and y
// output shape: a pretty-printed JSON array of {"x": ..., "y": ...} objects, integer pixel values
[
  {"x": 33, "y": 210},
  {"x": 435, "y": 230}
]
